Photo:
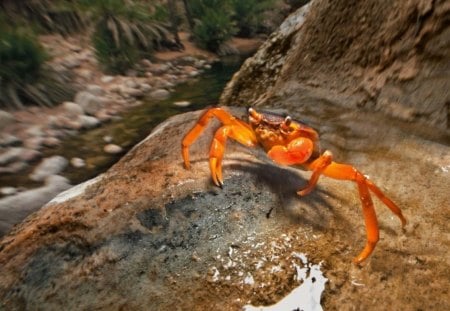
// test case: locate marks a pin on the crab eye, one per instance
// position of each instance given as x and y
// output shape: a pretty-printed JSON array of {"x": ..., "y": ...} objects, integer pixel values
[{"x": 287, "y": 121}]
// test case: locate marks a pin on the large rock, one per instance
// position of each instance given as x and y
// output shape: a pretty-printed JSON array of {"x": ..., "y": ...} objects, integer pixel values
[
  {"x": 348, "y": 53},
  {"x": 150, "y": 234}
]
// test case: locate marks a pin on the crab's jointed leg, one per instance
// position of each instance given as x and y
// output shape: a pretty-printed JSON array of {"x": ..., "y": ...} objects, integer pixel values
[
  {"x": 236, "y": 132},
  {"x": 232, "y": 127},
  {"x": 348, "y": 172}
]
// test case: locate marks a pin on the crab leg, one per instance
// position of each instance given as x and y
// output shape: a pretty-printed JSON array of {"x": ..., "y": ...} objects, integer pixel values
[
  {"x": 192, "y": 135},
  {"x": 348, "y": 172},
  {"x": 237, "y": 132}
]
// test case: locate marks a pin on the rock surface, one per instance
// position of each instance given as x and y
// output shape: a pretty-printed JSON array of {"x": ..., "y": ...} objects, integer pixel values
[
  {"x": 150, "y": 233},
  {"x": 391, "y": 56}
]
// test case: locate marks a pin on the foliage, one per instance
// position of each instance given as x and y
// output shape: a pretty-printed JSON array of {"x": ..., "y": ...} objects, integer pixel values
[
  {"x": 22, "y": 78},
  {"x": 125, "y": 31},
  {"x": 57, "y": 16},
  {"x": 213, "y": 23},
  {"x": 248, "y": 15}
]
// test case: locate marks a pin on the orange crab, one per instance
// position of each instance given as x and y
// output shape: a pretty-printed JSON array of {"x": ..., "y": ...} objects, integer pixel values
[{"x": 288, "y": 142}]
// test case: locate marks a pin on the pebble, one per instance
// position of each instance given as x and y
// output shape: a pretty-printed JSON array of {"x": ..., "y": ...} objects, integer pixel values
[
  {"x": 159, "y": 94},
  {"x": 106, "y": 79},
  {"x": 73, "y": 109},
  {"x": 183, "y": 103},
  {"x": 88, "y": 122},
  {"x": 49, "y": 166},
  {"x": 8, "y": 191},
  {"x": 112, "y": 149},
  {"x": 77, "y": 162},
  {"x": 107, "y": 139}
]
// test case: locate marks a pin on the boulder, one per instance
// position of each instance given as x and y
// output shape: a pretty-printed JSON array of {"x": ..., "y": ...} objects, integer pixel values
[{"x": 148, "y": 232}]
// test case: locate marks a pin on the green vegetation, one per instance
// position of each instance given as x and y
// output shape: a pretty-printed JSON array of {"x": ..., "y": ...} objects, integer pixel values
[
  {"x": 248, "y": 15},
  {"x": 22, "y": 77},
  {"x": 125, "y": 32}
]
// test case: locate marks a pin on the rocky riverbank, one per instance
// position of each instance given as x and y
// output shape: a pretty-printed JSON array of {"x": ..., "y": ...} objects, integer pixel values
[{"x": 27, "y": 137}]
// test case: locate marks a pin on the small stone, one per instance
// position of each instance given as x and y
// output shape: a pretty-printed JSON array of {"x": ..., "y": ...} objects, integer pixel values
[
  {"x": 112, "y": 149},
  {"x": 13, "y": 168},
  {"x": 159, "y": 94},
  {"x": 145, "y": 87},
  {"x": 34, "y": 143},
  {"x": 72, "y": 109},
  {"x": 131, "y": 84},
  {"x": 183, "y": 103},
  {"x": 88, "y": 122},
  {"x": 51, "y": 142},
  {"x": 8, "y": 191},
  {"x": 9, "y": 140},
  {"x": 107, "y": 139},
  {"x": 10, "y": 155},
  {"x": 107, "y": 79},
  {"x": 89, "y": 102},
  {"x": 95, "y": 90},
  {"x": 29, "y": 155},
  {"x": 77, "y": 162},
  {"x": 49, "y": 166}
]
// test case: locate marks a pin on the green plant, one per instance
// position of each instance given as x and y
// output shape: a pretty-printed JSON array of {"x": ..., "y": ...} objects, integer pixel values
[
  {"x": 57, "y": 16},
  {"x": 124, "y": 32},
  {"x": 23, "y": 79},
  {"x": 248, "y": 15},
  {"x": 213, "y": 23}
]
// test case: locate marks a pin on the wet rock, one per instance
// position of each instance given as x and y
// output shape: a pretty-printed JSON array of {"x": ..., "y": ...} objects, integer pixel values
[
  {"x": 14, "y": 208},
  {"x": 159, "y": 94},
  {"x": 49, "y": 166},
  {"x": 148, "y": 228},
  {"x": 72, "y": 109},
  {"x": 112, "y": 149},
  {"x": 6, "y": 119},
  {"x": 89, "y": 102}
]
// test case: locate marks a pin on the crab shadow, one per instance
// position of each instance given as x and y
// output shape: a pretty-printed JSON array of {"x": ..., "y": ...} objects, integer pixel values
[{"x": 314, "y": 209}]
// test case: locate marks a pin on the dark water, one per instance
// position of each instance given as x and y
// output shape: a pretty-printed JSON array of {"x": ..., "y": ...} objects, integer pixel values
[{"x": 134, "y": 125}]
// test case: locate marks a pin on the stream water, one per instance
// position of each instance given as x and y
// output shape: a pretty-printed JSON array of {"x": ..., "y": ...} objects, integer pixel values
[{"x": 133, "y": 126}]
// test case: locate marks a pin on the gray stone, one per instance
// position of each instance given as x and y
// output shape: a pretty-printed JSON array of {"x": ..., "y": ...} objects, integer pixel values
[
  {"x": 89, "y": 102},
  {"x": 159, "y": 94},
  {"x": 107, "y": 79},
  {"x": 77, "y": 162},
  {"x": 49, "y": 166},
  {"x": 72, "y": 109},
  {"x": 10, "y": 155},
  {"x": 183, "y": 103},
  {"x": 6, "y": 191},
  {"x": 7, "y": 139},
  {"x": 95, "y": 90},
  {"x": 88, "y": 122},
  {"x": 112, "y": 149}
]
